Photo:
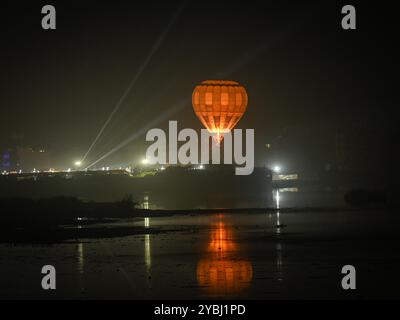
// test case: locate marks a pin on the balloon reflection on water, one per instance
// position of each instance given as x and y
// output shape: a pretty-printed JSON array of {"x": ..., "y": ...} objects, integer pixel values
[{"x": 221, "y": 273}]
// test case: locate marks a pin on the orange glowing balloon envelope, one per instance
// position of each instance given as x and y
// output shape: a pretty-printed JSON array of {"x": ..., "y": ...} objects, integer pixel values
[{"x": 219, "y": 105}]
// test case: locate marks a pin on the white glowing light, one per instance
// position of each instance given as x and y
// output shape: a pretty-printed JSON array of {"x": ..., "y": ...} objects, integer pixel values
[
  {"x": 201, "y": 167},
  {"x": 278, "y": 199},
  {"x": 145, "y": 161},
  {"x": 78, "y": 163},
  {"x": 277, "y": 169}
]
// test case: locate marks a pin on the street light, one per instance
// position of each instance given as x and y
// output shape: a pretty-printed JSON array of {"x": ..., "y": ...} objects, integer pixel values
[
  {"x": 145, "y": 161},
  {"x": 277, "y": 169},
  {"x": 78, "y": 163}
]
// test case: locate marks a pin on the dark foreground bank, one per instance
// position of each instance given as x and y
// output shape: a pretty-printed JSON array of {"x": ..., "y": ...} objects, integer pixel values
[{"x": 24, "y": 220}]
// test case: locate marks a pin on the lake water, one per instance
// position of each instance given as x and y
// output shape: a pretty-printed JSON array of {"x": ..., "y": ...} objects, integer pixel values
[{"x": 249, "y": 255}]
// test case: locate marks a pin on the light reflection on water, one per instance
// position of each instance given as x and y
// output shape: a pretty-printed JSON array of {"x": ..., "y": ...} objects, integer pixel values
[
  {"x": 231, "y": 255},
  {"x": 81, "y": 266},
  {"x": 279, "y": 261},
  {"x": 81, "y": 258},
  {"x": 223, "y": 267},
  {"x": 277, "y": 196},
  {"x": 220, "y": 272},
  {"x": 147, "y": 251}
]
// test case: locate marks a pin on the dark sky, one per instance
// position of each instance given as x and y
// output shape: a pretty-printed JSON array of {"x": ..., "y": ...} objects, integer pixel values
[{"x": 309, "y": 81}]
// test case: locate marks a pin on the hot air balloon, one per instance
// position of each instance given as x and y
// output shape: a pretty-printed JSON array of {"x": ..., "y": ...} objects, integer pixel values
[{"x": 219, "y": 105}]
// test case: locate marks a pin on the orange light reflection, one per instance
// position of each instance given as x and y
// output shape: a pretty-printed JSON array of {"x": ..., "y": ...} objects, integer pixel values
[{"x": 220, "y": 274}]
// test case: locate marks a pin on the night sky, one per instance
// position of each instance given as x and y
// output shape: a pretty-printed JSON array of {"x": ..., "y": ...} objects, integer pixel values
[{"x": 308, "y": 80}]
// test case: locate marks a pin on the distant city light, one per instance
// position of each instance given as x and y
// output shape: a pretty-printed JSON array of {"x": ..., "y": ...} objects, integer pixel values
[
  {"x": 162, "y": 168},
  {"x": 201, "y": 167},
  {"x": 277, "y": 169}
]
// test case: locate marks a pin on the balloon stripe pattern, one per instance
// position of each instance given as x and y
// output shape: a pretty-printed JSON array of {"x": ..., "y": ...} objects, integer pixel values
[{"x": 219, "y": 104}]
